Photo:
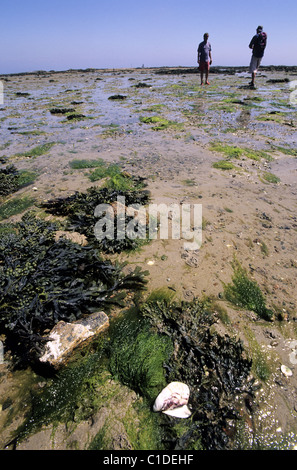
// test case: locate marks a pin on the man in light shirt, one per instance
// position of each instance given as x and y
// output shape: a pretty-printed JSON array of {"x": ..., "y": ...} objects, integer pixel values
[{"x": 204, "y": 58}]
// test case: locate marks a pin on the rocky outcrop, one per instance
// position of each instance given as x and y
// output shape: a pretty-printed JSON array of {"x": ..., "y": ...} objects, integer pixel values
[{"x": 65, "y": 337}]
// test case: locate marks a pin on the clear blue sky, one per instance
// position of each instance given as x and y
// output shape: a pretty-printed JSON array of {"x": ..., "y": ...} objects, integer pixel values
[{"x": 64, "y": 34}]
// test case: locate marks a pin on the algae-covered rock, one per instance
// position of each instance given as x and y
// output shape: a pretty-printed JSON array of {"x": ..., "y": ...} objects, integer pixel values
[{"x": 65, "y": 337}]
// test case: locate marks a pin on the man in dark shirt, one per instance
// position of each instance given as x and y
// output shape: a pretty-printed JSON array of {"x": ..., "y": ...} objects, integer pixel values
[
  {"x": 204, "y": 58},
  {"x": 258, "y": 45}
]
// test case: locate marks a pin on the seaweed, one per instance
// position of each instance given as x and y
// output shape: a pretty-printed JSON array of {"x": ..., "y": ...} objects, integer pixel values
[
  {"x": 76, "y": 117},
  {"x": 11, "y": 179},
  {"x": 8, "y": 180},
  {"x": 43, "y": 281},
  {"x": 215, "y": 367},
  {"x": 37, "y": 151},
  {"x": 246, "y": 293},
  {"x": 81, "y": 164},
  {"x": 117, "y": 97},
  {"x": 79, "y": 209},
  {"x": 62, "y": 110},
  {"x": 270, "y": 177},
  {"x": 162, "y": 123},
  {"x": 223, "y": 165},
  {"x": 232, "y": 151},
  {"x": 137, "y": 355},
  {"x": 14, "y": 206}
]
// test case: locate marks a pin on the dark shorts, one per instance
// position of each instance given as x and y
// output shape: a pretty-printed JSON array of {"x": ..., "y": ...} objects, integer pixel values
[{"x": 204, "y": 66}]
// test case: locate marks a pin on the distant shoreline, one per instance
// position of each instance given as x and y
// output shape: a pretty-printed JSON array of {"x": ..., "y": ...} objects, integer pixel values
[{"x": 166, "y": 70}]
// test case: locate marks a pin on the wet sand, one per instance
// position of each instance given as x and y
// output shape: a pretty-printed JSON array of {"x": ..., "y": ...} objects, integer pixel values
[{"x": 244, "y": 215}]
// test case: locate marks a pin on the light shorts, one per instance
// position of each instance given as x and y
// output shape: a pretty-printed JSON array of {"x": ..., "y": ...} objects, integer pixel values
[{"x": 255, "y": 64}]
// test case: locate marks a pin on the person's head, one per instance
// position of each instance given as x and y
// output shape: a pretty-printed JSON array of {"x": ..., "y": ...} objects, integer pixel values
[
  {"x": 259, "y": 29},
  {"x": 206, "y": 36}
]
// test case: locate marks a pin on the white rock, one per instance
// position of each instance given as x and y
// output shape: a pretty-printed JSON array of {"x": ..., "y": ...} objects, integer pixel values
[{"x": 65, "y": 337}]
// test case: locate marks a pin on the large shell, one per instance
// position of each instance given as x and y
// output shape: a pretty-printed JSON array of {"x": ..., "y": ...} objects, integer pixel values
[{"x": 173, "y": 400}]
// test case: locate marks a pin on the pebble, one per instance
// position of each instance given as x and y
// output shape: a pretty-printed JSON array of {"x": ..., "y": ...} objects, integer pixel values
[{"x": 286, "y": 371}]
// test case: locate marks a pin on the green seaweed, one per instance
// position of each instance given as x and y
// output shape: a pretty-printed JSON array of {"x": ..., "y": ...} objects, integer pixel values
[
  {"x": 162, "y": 123},
  {"x": 260, "y": 366},
  {"x": 15, "y": 206},
  {"x": 37, "y": 151},
  {"x": 270, "y": 177},
  {"x": 81, "y": 164},
  {"x": 285, "y": 150},
  {"x": 236, "y": 152},
  {"x": 246, "y": 293},
  {"x": 11, "y": 179},
  {"x": 223, "y": 165},
  {"x": 70, "y": 395},
  {"x": 104, "y": 171},
  {"x": 137, "y": 356}
]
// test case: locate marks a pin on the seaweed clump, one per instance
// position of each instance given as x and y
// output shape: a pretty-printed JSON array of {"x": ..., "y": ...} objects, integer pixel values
[
  {"x": 215, "y": 368},
  {"x": 137, "y": 356},
  {"x": 43, "y": 281},
  {"x": 246, "y": 293},
  {"x": 79, "y": 209},
  {"x": 11, "y": 179}
]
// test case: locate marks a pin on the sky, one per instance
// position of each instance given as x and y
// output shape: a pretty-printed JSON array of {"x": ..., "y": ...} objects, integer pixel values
[{"x": 79, "y": 34}]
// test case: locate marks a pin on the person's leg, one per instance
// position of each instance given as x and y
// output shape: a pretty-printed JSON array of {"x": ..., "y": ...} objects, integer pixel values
[
  {"x": 252, "y": 70},
  {"x": 257, "y": 65},
  {"x": 253, "y": 78},
  {"x": 206, "y": 75}
]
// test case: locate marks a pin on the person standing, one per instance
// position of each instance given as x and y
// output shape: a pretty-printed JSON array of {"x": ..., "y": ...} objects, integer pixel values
[
  {"x": 258, "y": 45},
  {"x": 204, "y": 58}
]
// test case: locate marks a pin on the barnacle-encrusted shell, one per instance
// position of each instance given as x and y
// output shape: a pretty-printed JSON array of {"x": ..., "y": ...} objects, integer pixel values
[{"x": 173, "y": 400}]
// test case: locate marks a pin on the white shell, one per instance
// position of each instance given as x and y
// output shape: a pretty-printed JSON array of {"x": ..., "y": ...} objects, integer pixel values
[
  {"x": 173, "y": 400},
  {"x": 180, "y": 412}
]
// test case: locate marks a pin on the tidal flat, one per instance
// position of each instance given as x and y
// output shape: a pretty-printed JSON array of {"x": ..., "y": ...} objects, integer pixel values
[{"x": 230, "y": 149}]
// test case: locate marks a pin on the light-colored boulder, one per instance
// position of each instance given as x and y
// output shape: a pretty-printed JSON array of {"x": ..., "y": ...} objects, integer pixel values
[
  {"x": 75, "y": 237},
  {"x": 65, "y": 337}
]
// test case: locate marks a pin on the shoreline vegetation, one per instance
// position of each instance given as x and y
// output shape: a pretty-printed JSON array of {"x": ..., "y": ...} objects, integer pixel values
[
  {"x": 221, "y": 319},
  {"x": 162, "y": 70}
]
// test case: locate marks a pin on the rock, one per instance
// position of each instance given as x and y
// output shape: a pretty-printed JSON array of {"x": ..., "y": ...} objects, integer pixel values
[
  {"x": 117, "y": 97},
  {"x": 65, "y": 337},
  {"x": 75, "y": 237}
]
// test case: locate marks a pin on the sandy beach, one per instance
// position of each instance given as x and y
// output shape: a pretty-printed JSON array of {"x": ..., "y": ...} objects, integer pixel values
[{"x": 249, "y": 208}]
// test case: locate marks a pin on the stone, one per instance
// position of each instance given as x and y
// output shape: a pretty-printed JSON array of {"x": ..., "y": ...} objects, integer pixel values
[
  {"x": 75, "y": 237},
  {"x": 65, "y": 337}
]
